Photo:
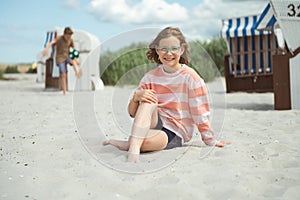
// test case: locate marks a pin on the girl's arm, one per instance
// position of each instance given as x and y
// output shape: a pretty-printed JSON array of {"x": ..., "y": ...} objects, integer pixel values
[
  {"x": 133, "y": 106},
  {"x": 199, "y": 105}
]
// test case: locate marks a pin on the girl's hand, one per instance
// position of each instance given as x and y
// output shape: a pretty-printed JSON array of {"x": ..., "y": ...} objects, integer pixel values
[
  {"x": 222, "y": 144},
  {"x": 147, "y": 96}
]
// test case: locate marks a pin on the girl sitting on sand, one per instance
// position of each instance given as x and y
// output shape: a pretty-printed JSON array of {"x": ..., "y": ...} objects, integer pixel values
[{"x": 170, "y": 100}]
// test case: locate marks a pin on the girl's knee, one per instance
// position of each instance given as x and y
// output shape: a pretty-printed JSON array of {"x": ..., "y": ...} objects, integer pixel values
[
  {"x": 145, "y": 113},
  {"x": 146, "y": 109},
  {"x": 150, "y": 106}
]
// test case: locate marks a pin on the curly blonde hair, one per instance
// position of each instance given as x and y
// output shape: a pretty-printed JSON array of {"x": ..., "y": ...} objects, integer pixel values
[{"x": 165, "y": 33}]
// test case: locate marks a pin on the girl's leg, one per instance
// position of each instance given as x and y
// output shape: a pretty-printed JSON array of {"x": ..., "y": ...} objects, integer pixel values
[
  {"x": 120, "y": 144},
  {"x": 158, "y": 141},
  {"x": 143, "y": 138}
]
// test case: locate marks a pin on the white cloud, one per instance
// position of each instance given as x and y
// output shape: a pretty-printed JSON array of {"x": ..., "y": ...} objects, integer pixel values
[
  {"x": 71, "y": 3},
  {"x": 203, "y": 21},
  {"x": 143, "y": 12},
  {"x": 206, "y": 18}
]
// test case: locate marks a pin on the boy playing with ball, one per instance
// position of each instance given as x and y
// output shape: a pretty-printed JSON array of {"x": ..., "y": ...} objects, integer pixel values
[{"x": 63, "y": 44}]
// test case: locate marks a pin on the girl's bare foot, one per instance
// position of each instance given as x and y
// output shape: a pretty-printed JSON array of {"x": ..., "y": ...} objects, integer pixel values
[
  {"x": 133, "y": 157},
  {"x": 122, "y": 145},
  {"x": 107, "y": 142}
]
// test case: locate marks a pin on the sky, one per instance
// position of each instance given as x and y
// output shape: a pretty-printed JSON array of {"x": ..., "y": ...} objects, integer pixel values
[{"x": 23, "y": 24}]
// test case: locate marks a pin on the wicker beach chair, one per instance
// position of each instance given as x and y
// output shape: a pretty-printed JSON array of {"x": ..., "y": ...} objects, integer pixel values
[{"x": 249, "y": 66}]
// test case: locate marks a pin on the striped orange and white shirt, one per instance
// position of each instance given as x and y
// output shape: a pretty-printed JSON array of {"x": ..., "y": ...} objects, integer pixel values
[{"x": 182, "y": 101}]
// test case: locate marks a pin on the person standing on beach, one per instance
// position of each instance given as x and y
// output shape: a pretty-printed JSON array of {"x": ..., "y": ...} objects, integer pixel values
[
  {"x": 63, "y": 44},
  {"x": 170, "y": 101}
]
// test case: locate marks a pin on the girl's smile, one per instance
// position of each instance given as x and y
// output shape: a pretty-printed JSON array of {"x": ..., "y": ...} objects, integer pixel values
[{"x": 169, "y": 52}]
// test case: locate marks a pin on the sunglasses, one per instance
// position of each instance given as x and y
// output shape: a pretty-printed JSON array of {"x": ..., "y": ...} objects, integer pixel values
[{"x": 169, "y": 49}]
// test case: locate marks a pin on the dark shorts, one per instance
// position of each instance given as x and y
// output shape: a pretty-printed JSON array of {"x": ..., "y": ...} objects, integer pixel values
[
  {"x": 173, "y": 139},
  {"x": 63, "y": 66}
]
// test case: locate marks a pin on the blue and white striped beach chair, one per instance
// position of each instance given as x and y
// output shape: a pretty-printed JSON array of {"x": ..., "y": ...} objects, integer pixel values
[{"x": 251, "y": 42}]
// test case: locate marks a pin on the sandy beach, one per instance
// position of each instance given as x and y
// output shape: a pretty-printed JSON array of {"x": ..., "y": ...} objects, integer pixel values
[{"x": 51, "y": 149}]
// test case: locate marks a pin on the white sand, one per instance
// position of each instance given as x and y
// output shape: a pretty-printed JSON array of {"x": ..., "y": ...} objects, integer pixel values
[{"x": 43, "y": 157}]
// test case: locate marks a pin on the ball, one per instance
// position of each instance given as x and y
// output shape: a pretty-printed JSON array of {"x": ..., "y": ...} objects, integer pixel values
[{"x": 74, "y": 53}]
